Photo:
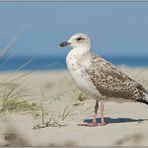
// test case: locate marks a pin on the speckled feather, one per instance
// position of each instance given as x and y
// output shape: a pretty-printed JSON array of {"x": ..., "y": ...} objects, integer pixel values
[{"x": 111, "y": 82}]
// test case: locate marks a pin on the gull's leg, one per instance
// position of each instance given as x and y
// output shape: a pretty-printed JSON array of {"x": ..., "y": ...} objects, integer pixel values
[
  {"x": 94, "y": 122},
  {"x": 95, "y": 114},
  {"x": 102, "y": 113}
]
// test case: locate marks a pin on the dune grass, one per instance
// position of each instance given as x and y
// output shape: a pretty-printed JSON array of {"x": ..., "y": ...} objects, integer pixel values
[{"x": 12, "y": 96}]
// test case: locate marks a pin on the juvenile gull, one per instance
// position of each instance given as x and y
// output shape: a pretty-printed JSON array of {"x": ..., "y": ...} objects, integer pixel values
[{"x": 98, "y": 78}]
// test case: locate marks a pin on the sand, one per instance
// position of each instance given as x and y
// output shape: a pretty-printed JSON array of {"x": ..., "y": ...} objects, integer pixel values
[{"x": 127, "y": 123}]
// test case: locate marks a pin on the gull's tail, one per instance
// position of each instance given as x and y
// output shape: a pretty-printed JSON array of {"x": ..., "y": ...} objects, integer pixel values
[{"x": 144, "y": 99}]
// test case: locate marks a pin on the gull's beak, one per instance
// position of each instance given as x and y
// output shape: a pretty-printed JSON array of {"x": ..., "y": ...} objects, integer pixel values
[{"x": 63, "y": 44}]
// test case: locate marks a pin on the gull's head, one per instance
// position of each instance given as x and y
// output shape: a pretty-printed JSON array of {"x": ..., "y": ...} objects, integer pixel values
[{"x": 79, "y": 40}]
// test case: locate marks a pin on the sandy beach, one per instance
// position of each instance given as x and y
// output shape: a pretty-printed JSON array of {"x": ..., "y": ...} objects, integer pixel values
[{"x": 61, "y": 107}]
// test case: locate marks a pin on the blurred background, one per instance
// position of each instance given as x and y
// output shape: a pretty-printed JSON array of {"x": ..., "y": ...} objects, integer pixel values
[{"x": 30, "y": 32}]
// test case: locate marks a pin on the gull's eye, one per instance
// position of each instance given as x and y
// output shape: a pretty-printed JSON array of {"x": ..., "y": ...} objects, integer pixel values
[{"x": 79, "y": 39}]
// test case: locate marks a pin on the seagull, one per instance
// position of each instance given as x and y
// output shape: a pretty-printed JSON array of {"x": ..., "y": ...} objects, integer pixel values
[{"x": 98, "y": 78}]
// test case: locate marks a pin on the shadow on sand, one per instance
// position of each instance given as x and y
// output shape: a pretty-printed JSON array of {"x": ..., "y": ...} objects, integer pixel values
[{"x": 109, "y": 120}]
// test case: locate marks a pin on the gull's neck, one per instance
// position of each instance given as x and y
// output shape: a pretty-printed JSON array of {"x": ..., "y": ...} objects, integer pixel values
[
  {"x": 78, "y": 53},
  {"x": 81, "y": 50}
]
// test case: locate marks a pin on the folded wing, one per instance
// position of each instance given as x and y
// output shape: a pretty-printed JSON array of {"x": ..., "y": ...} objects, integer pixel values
[{"x": 111, "y": 82}]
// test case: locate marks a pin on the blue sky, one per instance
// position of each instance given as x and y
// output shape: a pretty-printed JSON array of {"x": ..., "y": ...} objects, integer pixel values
[{"x": 115, "y": 28}]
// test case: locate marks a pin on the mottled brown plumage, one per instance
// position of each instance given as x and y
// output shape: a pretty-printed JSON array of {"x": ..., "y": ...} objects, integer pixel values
[{"x": 111, "y": 82}]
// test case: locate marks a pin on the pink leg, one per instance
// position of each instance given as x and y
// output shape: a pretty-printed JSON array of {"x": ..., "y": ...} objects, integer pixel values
[
  {"x": 102, "y": 113},
  {"x": 94, "y": 122}
]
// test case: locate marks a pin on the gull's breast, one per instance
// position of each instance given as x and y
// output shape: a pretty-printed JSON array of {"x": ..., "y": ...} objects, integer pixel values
[{"x": 77, "y": 66}]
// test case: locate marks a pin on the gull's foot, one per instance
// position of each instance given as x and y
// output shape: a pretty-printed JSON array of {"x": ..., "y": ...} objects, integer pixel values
[
  {"x": 102, "y": 124},
  {"x": 92, "y": 124}
]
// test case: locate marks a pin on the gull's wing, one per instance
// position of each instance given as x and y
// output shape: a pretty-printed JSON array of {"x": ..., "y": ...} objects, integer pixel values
[{"x": 111, "y": 82}]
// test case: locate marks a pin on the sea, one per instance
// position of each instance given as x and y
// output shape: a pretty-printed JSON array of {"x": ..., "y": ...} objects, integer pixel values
[{"x": 59, "y": 62}]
